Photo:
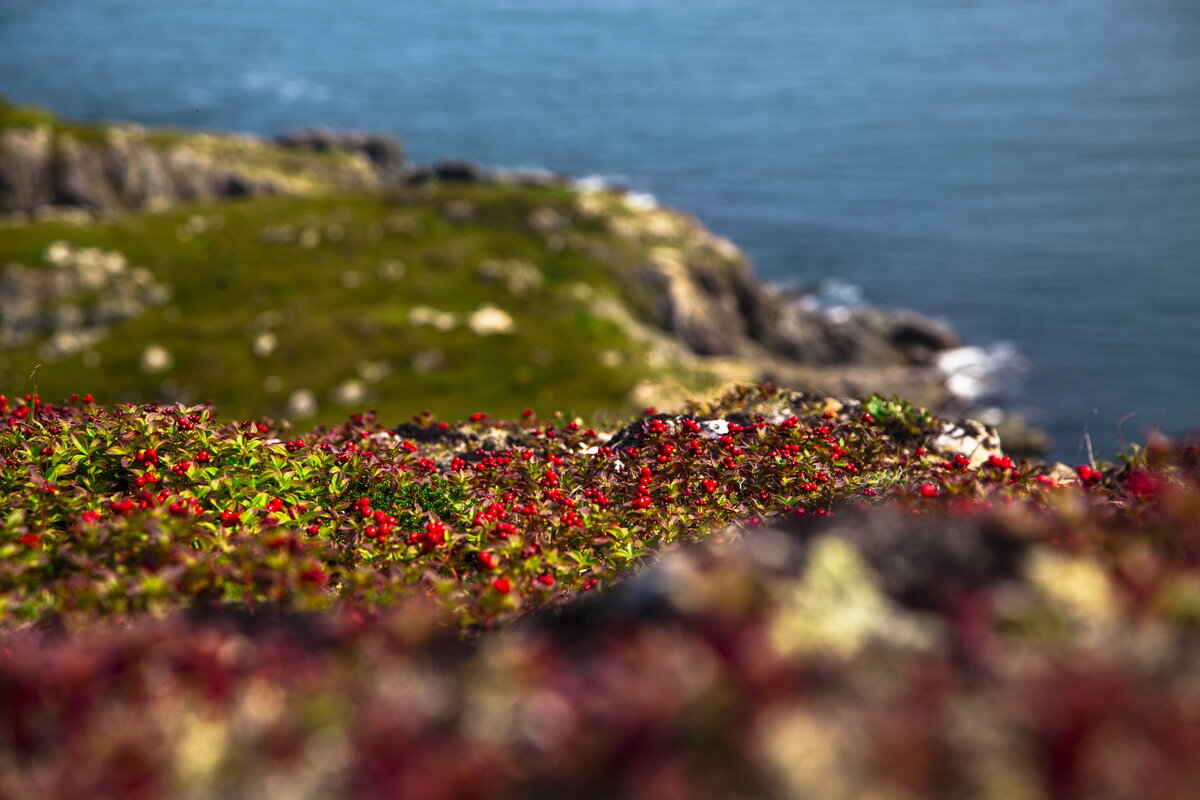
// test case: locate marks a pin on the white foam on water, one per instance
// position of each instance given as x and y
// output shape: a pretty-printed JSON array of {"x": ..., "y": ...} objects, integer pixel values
[
  {"x": 641, "y": 201},
  {"x": 833, "y": 297},
  {"x": 637, "y": 201},
  {"x": 592, "y": 183},
  {"x": 973, "y": 373},
  {"x": 284, "y": 88}
]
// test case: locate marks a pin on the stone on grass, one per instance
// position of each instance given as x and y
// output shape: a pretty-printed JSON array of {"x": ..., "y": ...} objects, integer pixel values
[
  {"x": 156, "y": 358},
  {"x": 302, "y": 404},
  {"x": 489, "y": 320}
]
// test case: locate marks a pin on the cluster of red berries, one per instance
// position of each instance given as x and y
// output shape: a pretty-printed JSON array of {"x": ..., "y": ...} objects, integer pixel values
[
  {"x": 431, "y": 537},
  {"x": 185, "y": 507},
  {"x": 492, "y": 513},
  {"x": 380, "y": 524},
  {"x": 596, "y": 496},
  {"x": 643, "y": 498},
  {"x": 958, "y": 463},
  {"x": 122, "y": 507}
]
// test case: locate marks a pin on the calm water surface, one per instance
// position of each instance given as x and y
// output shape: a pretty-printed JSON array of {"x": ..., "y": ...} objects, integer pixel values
[{"x": 1027, "y": 170}]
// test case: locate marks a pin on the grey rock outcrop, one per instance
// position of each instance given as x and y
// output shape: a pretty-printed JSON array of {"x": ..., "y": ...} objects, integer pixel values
[
  {"x": 26, "y": 160},
  {"x": 126, "y": 167},
  {"x": 717, "y": 307},
  {"x": 449, "y": 171},
  {"x": 70, "y": 301}
]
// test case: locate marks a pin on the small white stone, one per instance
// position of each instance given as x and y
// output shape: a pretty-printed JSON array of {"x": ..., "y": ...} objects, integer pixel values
[
  {"x": 114, "y": 263},
  {"x": 350, "y": 392},
  {"x": 424, "y": 315},
  {"x": 58, "y": 253},
  {"x": 489, "y": 320},
  {"x": 309, "y": 238},
  {"x": 390, "y": 270},
  {"x": 264, "y": 344},
  {"x": 374, "y": 371},
  {"x": 156, "y": 358},
  {"x": 302, "y": 403}
]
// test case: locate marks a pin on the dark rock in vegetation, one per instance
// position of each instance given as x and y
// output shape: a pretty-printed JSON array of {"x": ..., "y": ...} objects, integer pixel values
[
  {"x": 385, "y": 152},
  {"x": 449, "y": 171}
]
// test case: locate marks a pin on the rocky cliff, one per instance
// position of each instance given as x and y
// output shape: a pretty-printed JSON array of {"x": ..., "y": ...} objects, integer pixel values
[
  {"x": 47, "y": 163},
  {"x": 702, "y": 291}
]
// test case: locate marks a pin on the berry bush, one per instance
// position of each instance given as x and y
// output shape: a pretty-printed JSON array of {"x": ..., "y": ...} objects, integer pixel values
[{"x": 771, "y": 595}]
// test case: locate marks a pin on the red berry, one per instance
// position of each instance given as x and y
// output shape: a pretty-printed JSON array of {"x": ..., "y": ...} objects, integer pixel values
[{"x": 929, "y": 490}]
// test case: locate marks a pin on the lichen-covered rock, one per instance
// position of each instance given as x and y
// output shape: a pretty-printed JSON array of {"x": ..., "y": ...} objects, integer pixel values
[
  {"x": 127, "y": 167},
  {"x": 68, "y": 303},
  {"x": 971, "y": 438},
  {"x": 25, "y": 159}
]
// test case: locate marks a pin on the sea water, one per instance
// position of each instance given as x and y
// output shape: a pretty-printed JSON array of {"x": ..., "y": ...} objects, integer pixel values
[{"x": 1027, "y": 170}]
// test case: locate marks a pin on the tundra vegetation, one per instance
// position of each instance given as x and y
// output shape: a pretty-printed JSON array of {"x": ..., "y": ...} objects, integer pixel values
[{"x": 812, "y": 598}]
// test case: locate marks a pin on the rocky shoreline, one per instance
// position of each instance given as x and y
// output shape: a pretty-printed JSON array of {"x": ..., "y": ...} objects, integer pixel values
[{"x": 694, "y": 298}]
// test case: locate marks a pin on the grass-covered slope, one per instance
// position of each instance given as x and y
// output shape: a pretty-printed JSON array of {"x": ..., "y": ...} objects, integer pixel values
[
  {"x": 203, "y": 608},
  {"x": 454, "y": 297}
]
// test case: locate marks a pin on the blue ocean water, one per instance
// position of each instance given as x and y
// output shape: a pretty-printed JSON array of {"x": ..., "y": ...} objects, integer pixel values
[{"x": 1028, "y": 170}]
